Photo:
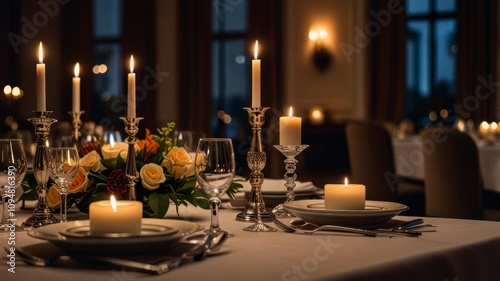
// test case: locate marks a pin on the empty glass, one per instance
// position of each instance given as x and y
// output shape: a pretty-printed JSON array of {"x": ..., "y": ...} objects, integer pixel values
[
  {"x": 64, "y": 166},
  {"x": 13, "y": 167},
  {"x": 214, "y": 169}
]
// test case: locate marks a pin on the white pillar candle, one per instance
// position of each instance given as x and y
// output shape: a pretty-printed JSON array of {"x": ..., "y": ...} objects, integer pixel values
[
  {"x": 76, "y": 89},
  {"x": 290, "y": 129},
  {"x": 345, "y": 196},
  {"x": 124, "y": 217},
  {"x": 131, "y": 90},
  {"x": 40, "y": 81},
  {"x": 256, "y": 77}
]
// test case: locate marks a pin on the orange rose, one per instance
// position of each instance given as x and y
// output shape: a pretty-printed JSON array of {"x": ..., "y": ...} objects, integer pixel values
[
  {"x": 79, "y": 183},
  {"x": 53, "y": 197}
]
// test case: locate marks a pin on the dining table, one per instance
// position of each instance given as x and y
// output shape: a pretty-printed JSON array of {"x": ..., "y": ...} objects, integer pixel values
[
  {"x": 409, "y": 159},
  {"x": 454, "y": 249}
]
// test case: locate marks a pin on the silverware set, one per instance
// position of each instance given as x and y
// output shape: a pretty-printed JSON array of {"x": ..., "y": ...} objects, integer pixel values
[
  {"x": 300, "y": 226},
  {"x": 192, "y": 248}
]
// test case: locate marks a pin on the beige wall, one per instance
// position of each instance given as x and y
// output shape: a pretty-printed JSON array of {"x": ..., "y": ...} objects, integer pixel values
[{"x": 339, "y": 89}]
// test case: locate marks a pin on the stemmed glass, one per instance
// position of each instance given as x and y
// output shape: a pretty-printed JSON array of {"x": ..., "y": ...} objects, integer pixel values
[
  {"x": 13, "y": 167},
  {"x": 214, "y": 169},
  {"x": 63, "y": 169}
]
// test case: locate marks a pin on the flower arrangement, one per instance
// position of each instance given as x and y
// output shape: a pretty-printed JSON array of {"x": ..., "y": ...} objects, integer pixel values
[{"x": 166, "y": 175}]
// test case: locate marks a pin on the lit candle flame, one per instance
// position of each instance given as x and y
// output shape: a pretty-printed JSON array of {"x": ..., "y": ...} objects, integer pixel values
[
  {"x": 290, "y": 112},
  {"x": 113, "y": 203},
  {"x": 40, "y": 53},
  {"x": 77, "y": 69},
  {"x": 112, "y": 140},
  {"x": 256, "y": 49},
  {"x": 346, "y": 182},
  {"x": 131, "y": 63}
]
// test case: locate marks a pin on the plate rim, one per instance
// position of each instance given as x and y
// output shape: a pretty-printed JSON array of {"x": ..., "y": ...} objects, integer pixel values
[
  {"x": 167, "y": 230},
  {"x": 291, "y": 205}
]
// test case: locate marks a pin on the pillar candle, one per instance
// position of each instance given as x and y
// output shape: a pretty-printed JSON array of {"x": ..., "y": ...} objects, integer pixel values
[
  {"x": 290, "y": 129},
  {"x": 124, "y": 217},
  {"x": 40, "y": 81},
  {"x": 345, "y": 196},
  {"x": 131, "y": 90},
  {"x": 256, "y": 77},
  {"x": 76, "y": 89}
]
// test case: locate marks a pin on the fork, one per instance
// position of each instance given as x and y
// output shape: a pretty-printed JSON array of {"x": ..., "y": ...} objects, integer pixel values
[{"x": 288, "y": 229}]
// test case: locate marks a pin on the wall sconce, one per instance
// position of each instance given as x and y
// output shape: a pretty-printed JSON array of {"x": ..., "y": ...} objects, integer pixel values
[
  {"x": 316, "y": 115},
  {"x": 321, "y": 55}
]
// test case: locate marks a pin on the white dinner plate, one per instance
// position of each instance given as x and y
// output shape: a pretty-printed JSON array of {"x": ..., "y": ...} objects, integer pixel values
[
  {"x": 375, "y": 213},
  {"x": 114, "y": 245}
]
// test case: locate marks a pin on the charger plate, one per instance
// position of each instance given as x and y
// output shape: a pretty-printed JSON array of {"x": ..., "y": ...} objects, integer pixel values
[
  {"x": 157, "y": 236},
  {"x": 375, "y": 213}
]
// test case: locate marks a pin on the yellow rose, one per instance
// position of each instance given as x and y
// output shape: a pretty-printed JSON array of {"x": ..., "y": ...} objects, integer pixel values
[
  {"x": 111, "y": 152},
  {"x": 53, "y": 197},
  {"x": 91, "y": 161},
  {"x": 79, "y": 183},
  {"x": 178, "y": 162},
  {"x": 152, "y": 176}
]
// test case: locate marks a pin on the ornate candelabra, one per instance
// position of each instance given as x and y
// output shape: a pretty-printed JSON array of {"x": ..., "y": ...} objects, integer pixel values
[
  {"x": 131, "y": 127},
  {"x": 256, "y": 159},
  {"x": 290, "y": 151},
  {"x": 77, "y": 124},
  {"x": 41, "y": 169}
]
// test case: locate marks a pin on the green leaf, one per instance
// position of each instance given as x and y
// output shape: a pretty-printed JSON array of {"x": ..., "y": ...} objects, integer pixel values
[{"x": 159, "y": 203}]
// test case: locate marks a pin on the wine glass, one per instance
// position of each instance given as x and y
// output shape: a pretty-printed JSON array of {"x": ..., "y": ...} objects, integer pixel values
[
  {"x": 13, "y": 167},
  {"x": 63, "y": 169},
  {"x": 214, "y": 169}
]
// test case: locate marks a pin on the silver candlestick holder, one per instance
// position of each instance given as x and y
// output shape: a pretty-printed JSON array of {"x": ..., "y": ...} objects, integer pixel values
[
  {"x": 41, "y": 169},
  {"x": 256, "y": 159},
  {"x": 290, "y": 151},
  {"x": 131, "y": 128},
  {"x": 77, "y": 124}
]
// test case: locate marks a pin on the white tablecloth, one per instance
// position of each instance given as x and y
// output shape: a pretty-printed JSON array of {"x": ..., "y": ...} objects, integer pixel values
[
  {"x": 409, "y": 160},
  {"x": 459, "y": 250}
]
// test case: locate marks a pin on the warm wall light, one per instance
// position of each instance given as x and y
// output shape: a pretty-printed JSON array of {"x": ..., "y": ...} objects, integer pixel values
[
  {"x": 316, "y": 115},
  {"x": 321, "y": 55}
]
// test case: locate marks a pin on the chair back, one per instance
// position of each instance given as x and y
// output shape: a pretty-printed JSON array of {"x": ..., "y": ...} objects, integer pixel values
[
  {"x": 453, "y": 182},
  {"x": 372, "y": 159}
]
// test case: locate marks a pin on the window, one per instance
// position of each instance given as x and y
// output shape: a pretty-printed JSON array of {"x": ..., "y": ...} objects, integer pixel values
[
  {"x": 230, "y": 68},
  {"x": 108, "y": 66},
  {"x": 431, "y": 61}
]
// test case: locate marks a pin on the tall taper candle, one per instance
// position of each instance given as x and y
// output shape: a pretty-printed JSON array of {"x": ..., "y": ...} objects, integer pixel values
[
  {"x": 256, "y": 77},
  {"x": 76, "y": 89},
  {"x": 131, "y": 90},
  {"x": 40, "y": 81}
]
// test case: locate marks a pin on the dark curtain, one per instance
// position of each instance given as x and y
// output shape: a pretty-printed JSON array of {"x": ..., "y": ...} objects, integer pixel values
[
  {"x": 386, "y": 63},
  {"x": 10, "y": 45},
  {"x": 139, "y": 40},
  {"x": 194, "y": 65},
  {"x": 77, "y": 42},
  {"x": 477, "y": 59},
  {"x": 266, "y": 24}
]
